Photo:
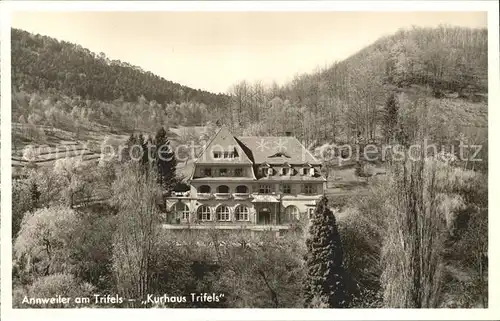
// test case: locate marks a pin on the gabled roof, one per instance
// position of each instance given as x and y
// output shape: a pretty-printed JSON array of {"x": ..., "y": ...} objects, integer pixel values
[
  {"x": 223, "y": 141},
  {"x": 277, "y": 150}
]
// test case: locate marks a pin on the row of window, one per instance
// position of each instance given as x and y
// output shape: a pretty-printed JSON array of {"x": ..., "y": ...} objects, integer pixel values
[
  {"x": 263, "y": 189},
  {"x": 223, "y": 172},
  {"x": 241, "y": 213},
  {"x": 286, "y": 171},
  {"x": 225, "y": 155},
  {"x": 263, "y": 171},
  {"x": 205, "y": 214},
  {"x": 223, "y": 189}
]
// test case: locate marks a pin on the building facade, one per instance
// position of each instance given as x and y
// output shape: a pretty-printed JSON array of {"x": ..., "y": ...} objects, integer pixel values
[{"x": 248, "y": 182}]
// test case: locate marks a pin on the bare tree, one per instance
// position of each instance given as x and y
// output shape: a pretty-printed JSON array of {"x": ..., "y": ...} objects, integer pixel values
[
  {"x": 412, "y": 253},
  {"x": 136, "y": 195}
]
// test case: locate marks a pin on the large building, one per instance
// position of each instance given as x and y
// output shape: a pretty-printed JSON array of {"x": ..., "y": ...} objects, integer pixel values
[{"x": 252, "y": 182}]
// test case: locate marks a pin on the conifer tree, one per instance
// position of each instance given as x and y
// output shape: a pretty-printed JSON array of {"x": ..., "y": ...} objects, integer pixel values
[
  {"x": 358, "y": 170},
  {"x": 165, "y": 160},
  {"x": 145, "y": 158},
  {"x": 390, "y": 118},
  {"x": 325, "y": 276},
  {"x": 34, "y": 195},
  {"x": 126, "y": 152}
]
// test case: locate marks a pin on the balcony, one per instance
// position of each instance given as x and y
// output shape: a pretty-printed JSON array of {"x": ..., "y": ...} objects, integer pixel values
[
  {"x": 222, "y": 196},
  {"x": 241, "y": 196},
  {"x": 204, "y": 196}
]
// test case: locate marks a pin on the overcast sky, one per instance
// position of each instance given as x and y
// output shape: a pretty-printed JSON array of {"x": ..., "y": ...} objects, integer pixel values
[{"x": 212, "y": 51}]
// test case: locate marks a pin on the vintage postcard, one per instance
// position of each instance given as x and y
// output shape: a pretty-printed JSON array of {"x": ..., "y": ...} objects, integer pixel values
[{"x": 282, "y": 160}]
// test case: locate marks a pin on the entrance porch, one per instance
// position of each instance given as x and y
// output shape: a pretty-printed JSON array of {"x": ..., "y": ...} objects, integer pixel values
[{"x": 266, "y": 210}]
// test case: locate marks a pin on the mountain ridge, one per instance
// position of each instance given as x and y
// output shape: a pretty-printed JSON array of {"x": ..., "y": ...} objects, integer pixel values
[{"x": 40, "y": 62}]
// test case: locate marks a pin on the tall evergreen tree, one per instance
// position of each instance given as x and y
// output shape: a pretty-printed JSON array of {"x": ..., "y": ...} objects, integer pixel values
[
  {"x": 165, "y": 160},
  {"x": 390, "y": 118},
  {"x": 143, "y": 143},
  {"x": 358, "y": 170},
  {"x": 149, "y": 151},
  {"x": 325, "y": 276},
  {"x": 34, "y": 195},
  {"x": 127, "y": 151}
]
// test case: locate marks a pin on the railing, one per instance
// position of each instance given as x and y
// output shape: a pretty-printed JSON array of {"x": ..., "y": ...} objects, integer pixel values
[
  {"x": 241, "y": 195},
  {"x": 223, "y": 195},
  {"x": 205, "y": 196}
]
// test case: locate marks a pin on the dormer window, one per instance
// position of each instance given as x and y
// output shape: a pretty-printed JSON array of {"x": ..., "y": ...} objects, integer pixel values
[
  {"x": 279, "y": 154},
  {"x": 306, "y": 170},
  {"x": 286, "y": 169},
  {"x": 265, "y": 170},
  {"x": 217, "y": 154}
]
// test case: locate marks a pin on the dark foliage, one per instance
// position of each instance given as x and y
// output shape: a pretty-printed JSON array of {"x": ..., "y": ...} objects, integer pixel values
[
  {"x": 165, "y": 160},
  {"x": 390, "y": 118},
  {"x": 326, "y": 278}
]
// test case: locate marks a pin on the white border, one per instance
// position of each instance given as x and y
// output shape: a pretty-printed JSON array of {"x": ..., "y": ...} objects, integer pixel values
[
  {"x": 250, "y": 314},
  {"x": 5, "y": 169},
  {"x": 385, "y": 5}
]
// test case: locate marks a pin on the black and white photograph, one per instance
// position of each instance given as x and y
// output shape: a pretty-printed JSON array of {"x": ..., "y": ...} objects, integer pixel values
[{"x": 274, "y": 159}]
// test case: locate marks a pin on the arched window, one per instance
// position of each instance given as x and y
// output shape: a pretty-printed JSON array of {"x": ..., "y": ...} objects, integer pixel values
[
  {"x": 291, "y": 213},
  {"x": 205, "y": 189},
  {"x": 242, "y": 213},
  {"x": 181, "y": 211},
  {"x": 222, "y": 189},
  {"x": 204, "y": 213},
  {"x": 241, "y": 189},
  {"x": 223, "y": 213}
]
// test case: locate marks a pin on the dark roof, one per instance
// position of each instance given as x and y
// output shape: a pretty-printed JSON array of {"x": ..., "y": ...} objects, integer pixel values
[
  {"x": 277, "y": 150},
  {"x": 257, "y": 150},
  {"x": 293, "y": 178}
]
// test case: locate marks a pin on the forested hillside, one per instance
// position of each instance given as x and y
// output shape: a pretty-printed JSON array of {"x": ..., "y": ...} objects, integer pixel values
[
  {"x": 40, "y": 62},
  {"x": 446, "y": 66},
  {"x": 63, "y": 85}
]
